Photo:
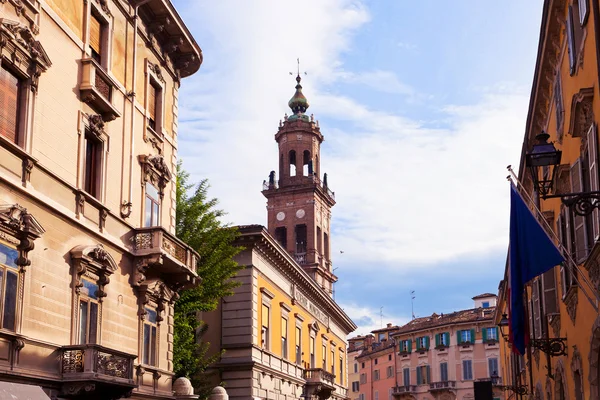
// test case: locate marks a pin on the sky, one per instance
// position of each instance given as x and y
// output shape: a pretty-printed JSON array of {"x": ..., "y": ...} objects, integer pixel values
[{"x": 422, "y": 105}]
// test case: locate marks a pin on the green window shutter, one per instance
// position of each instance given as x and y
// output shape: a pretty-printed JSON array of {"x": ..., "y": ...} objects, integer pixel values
[
  {"x": 497, "y": 338},
  {"x": 437, "y": 339},
  {"x": 484, "y": 334},
  {"x": 447, "y": 338},
  {"x": 427, "y": 342},
  {"x": 472, "y": 335},
  {"x": 428, "y": 375},
  {"x": 419, "y": 376},
  {"x": 409, "y": 345},
  {"x": 458, "y": 337}
]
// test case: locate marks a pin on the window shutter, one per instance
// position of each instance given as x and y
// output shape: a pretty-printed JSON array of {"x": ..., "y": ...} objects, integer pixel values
[
  {"x": 419, "y": 376},
  {"x": 437, "y": 339},
  {"x": 549, "y": 290},
  {"x": 497, "y": 337},
  {"x": 95, "y": 34},
  {"x": 447, "y": 338},
  {"x": 571, "y": 41},
  {"x": 537, "y": 318},
  {"x": 592, "y": 154},
  {"x": 428, "y": 374},
  {"x": 152, "y": 102},
  {"x": 484, "y": 334},
  {"x": 583, "y": 11},
  {"x": 458, "y": 337},
  {"x": 427, "y": 342},
  {"x": 9, "y": 105},
  {"x": 472, "y": 336},
  {"x": 580, "y": 225},
  {"x": 409, "y": 345}
]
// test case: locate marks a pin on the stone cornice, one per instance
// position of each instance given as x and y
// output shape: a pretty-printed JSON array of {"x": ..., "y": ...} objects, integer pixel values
[{"x": 257, "y": 237}]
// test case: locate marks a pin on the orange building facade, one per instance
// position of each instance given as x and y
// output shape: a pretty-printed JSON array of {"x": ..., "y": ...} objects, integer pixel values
[
  {"x": 563, "y": 303},
  {"x": 435, "y": 357}
]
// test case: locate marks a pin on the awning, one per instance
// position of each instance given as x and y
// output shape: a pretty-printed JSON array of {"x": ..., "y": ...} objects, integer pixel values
[{"x": 18, "y": 391}]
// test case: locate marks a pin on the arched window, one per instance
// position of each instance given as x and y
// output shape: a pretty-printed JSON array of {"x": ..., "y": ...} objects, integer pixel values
[
  {"x": 292, "y": 163},
  {"x": 306, "y": 163}
]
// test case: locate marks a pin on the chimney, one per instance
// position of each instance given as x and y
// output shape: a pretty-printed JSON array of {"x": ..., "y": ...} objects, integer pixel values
[{"x": 389, "y": 324}]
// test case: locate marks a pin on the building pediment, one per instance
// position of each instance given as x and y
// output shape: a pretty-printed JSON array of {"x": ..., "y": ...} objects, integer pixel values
[{"x": 18, "y": 220}]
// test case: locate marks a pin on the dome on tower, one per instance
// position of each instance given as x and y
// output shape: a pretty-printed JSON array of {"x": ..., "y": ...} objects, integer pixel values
[{"x": 298, "y": 103}]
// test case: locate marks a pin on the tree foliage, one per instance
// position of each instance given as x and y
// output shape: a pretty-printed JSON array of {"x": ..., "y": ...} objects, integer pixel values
[{"x": 198, "y": 223}]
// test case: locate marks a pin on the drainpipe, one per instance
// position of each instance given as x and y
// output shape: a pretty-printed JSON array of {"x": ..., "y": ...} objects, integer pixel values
[{"x": 129, "y": 202}]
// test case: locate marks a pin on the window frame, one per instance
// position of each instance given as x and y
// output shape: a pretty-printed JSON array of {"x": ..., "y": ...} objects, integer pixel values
[
  {"x": 156, "y": 80},
  {"x": 469, "y": 376},
  {"x": 284, "y": 337},
  {"x": 155, "y": 204},
  {"x": 105, "y": 19},
  {"x": 153, "y": 340},
  {"x": 84, "y": 335},
  {"x": 19, "y": 103},
  {"x": 265, "y": 333},
  {"x": 16, "y": 271}
]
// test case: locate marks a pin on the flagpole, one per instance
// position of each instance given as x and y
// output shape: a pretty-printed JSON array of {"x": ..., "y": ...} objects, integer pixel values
[{"x": 571, "y": 264}]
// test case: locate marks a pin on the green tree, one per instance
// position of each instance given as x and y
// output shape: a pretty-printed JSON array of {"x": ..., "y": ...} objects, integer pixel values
[{"x": 198, "y": 223}]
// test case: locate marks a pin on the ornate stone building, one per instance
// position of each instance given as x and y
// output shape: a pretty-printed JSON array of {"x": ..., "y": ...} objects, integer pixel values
[
  {"x": 283, "y": 334},
  {"x": 563, "y": 303},
  {"x": 89, "y": 264}
]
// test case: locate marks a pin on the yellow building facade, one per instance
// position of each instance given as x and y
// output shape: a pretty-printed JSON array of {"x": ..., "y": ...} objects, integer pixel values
[
  {"x": 563, "y": 303},
  {"x": 89, "y": 262}
]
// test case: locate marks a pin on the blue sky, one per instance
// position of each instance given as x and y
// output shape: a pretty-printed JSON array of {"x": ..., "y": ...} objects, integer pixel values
[{"x": 422, "y": 105}]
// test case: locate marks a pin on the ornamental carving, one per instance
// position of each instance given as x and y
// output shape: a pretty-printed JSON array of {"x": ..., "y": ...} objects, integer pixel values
[
  {"x": 21, "y": 228},
  {"x": 95, "y": 124},
  {"x": 94, "y": 262},
  {"x": 17, "y": 41},
  {"x": 582, "y": 114},
  {"x": 571, "y": 301},
  {"x": 156, "y": 171},
  {"x": 104, "y": 6},
  {"x": 593, "y": 268},
  {"x": 593, "y": 360},
  {"x": 155, "y": 68},
  {"x": 555, "y": 324},
  {"x": 576, "y": 365}
]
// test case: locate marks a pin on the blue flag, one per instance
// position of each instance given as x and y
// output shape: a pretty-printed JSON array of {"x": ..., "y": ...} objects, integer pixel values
[{"x": 531, "y": 253}]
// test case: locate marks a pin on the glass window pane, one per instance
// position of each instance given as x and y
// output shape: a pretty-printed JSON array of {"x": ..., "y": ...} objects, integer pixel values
[
  {"x": 93, "y": 322},
  {"x": 83, "y": 321},
  {"x": 146, "y": 348},
  {"x": 152, "y": 192},
  {"x": 153, "y": 347},
  {"x": 148, "y": 212},
  {"x": 89, "y": 289},
  {"x": 8, "y": 256},
  {"x": 151, "y": 315},
  {"x": 155, "y": 215},
  {"x": 10, "y": 301}
]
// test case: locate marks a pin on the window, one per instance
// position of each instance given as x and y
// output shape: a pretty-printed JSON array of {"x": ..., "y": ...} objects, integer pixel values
[
  {"x": 319, "y": 241},
  {"x": 389, "y": 372},
  {"x": 376, "y": 375},
  {"x": 324, "y": 354},
  {"x": 376, "y": 397},
  {"x": 281, "y": 236},
  {"x": 88, "y": 312},
  {"x": 150, "y": 338},
  {"x": 467, "y": 370},
  {"x": 264, "y": 333},
  {"x": 326, "y": 245},
  {"x": 332, "y": 361},
  {"x": 490, "y": 335},
  {"x": 152, "y": 217},
  {"x": 389, "y": 357},
  {"x": 312, "y": 352},
  {"x": 93, "y": 165},
  {"x": 298, "y": 345},
  {"x": 493, "y": 366},
  {"x": 301, "y": 239},
  {"x": 376, "y": 361},
  {"x": 363, "y": 378},
  {"x": 559, "y": 107},
  {"x": 362, "y": 365},
  {"x": 154, "y": 106},
  {"x": 9, "y": 278},
  {"x": 341, "y": 369},
  {"x": 292, "y": 157},
  {"x": 406, "y": 376},
  {"x": 355, "y": 368},
  {"x": 284, "y": 341},
  {"x": 442, "y": 340},
  {"x": 444, "y": 372},
  {"x": 355, "y": 386},
  {"x": 423, "y": 375},
  {"x": 571, "y": 41},
  {"x": 361, "y": 396},
  {"x": 423, "y": 343},
  {"x": 466, "y": 336},
  {"x": 96, "y": 33},
  {"x": 485, "y": 304},
  {"x": 10, "y": 89},
  {"x": 380, "y": 337},
  {"x": 405, "y": 346}
]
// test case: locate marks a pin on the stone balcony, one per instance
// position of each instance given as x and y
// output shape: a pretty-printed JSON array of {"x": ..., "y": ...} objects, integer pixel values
[
  {"x": 92, "y": 372},
  {"x": 160, "y": 254},
  {"x": 319, "y": 383},
  {"x": 405, "y": 390},
  {"x": 442, "y": 386},
  {"x": 97, "y": 89}
]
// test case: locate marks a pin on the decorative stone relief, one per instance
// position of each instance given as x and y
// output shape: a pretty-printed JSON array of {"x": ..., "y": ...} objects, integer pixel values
[
  {"x": 156, "y": 171},
  {"x": 582, "y": 114},
  {"x": 94, "y": 262},
  {"x": 96, "y": 124},
  {"x": 20, "y": 228},
  {"x": 593, "y": 360},
  {"x": 571, "y": 301}
]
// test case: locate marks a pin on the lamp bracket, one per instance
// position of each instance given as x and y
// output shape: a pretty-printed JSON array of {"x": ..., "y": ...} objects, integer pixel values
[
  {"x": 581, "y": 204},
  {"x": 554, "y": 347}
]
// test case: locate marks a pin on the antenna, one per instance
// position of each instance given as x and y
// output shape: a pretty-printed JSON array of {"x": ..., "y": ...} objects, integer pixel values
[
  {"x": 298, "y": 61},
  {"x": 381, "y": 315},
  {"x": 412, "y": 303}
]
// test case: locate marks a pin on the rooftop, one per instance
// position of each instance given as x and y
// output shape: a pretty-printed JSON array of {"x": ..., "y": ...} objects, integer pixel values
[
  {"x": 483, "y": 296},
  {"x": 457, "y": 317}
]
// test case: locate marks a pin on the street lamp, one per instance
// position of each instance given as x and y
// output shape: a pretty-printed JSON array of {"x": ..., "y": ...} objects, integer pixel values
[
  {"x": 554, "y": 347},
  {"x": 543, "y": 162},
  {"x": 503, "y": 325}
]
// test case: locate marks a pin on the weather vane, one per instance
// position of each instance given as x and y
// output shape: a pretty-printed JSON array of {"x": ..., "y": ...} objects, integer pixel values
[{"x": 298, "y": 61}]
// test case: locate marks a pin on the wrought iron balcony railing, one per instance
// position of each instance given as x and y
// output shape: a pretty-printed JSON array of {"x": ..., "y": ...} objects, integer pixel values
[
  {"x": 406, "y": 389},
  {"x": 319, "y": 376},
  {"x": 442, "y": 385},
  {"x": 90, "y": 368}
]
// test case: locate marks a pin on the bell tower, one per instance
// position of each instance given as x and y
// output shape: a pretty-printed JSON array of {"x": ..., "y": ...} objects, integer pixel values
[{"x": 299, "y": 202}]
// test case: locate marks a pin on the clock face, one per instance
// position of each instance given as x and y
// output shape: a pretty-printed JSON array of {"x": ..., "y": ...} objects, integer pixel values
[
  {"x": 300, "y": 213},
  {"x": 280, "y": 216}
]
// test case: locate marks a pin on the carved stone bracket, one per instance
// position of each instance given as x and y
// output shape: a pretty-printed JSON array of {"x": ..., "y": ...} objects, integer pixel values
[
  {"x": 156, "y": 171},
  {"x": 94, "y": 262},
  {"x": 96, "y": 124},
  {"x": 571, "y": 301},
  {"x": 18, "y": 224},
  {"x": 155, "y": 68},
  {"x": 555, "y": 324},
  {"x": 582, "y": 114}
]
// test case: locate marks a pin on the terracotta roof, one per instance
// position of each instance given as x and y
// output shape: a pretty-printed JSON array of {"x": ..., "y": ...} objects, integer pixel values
[
  {"x": 457, "y": 317},
  {"x": 483, "y": 296},
  {"x": 387, "y": 328},
  {"x": 377, "y": 347}
]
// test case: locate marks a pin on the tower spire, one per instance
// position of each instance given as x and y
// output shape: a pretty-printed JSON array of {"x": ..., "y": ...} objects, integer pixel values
[{"x": 298, "y": 103}]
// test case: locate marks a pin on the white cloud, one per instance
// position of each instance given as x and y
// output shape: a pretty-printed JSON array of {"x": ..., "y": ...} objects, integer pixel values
[
  {"x": 368, "y": 319},
  {"x": 406, "y": 192}
]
